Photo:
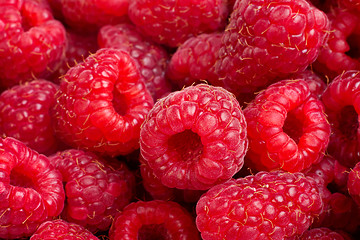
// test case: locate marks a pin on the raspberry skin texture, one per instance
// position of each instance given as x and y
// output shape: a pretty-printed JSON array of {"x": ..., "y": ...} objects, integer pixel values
[
  {"x": 266, "y": 40},
  {"x": 287, "y": 127},
  {"x": 90, "y": 15},
  {"x": 322, "y": 172},
  {"x": 353, "y": 183},
  {"x": 61, "y": 230},
  {"x": 24, "y": 115},
  {"x": 101, "y": 104},
  {"x": 339, "y": 53},
  {"x": 95, "y": 188},
  {"x": 194, "y": 61},
  {"x": 267, "y": 205},
  {"x": 31, "y": 42},
  {"x": 316, "y": 84},
  {"x": 342, "y": 106},
  {"x": 195, "y": 138},
  {"x": 155, "y": 219},
  {"x": 152, "y": 58},
  {"x": 172, "y": 22},
  {"x": 30, "y": 187},
  {"x": 321, "y": 234}
]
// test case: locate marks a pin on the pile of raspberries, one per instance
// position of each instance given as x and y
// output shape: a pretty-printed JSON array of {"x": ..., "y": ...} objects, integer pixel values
[{"x": 180, "y": 119}]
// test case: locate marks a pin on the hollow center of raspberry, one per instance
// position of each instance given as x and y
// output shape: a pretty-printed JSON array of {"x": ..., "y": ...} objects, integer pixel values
[
  {"x": 19, "y": 179},
  {"x": 187, "y": 144},
  {"x": 153, "y": 232},
  {"x": 120, "y": 103},
  {"x": 293, "y": 126},
  {"x": 348, "y": 122}
]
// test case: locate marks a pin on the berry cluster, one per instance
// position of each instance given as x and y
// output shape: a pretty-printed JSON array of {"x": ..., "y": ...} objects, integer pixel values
[{"x": 168, "y": 119}]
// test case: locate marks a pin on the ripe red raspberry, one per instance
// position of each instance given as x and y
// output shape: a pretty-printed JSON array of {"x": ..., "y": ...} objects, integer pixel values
[
  {"x": 61, "y": 230},
  {"x": 341, "y": 51},
  {"x": 31, "y": 41},
  {"x": 154, "y": 220},
  {"x": 342, "y": 104},
  {"x": 24, "y": 115},
  {"x": 353, "y": 183},
  {"x": 95, "y": 188},
  {"x": 195, "y": 138},
  {"x": 287, "y": 127},
  {"x": 316, "y": 84},
  {"x": 171, "y": 22},
  {"x": 321, "y": 234},
  {"x": 90, "y": 15},
  {"x": 194, "y": 61},
  {"x": 322, "y": 172},
  {"x": 268, "y": 205},
  {"x": 31, "y": 189},
  {"x": 152, "y": 59},
  {"x": 266, "y": 39},
  {"x": 102, "y": 103}
]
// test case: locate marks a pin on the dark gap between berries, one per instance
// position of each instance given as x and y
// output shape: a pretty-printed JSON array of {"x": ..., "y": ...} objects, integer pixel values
[{"x": 348, "y": 122}]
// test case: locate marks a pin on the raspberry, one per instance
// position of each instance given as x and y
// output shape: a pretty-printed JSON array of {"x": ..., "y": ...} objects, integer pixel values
[
  {"x": 152, "y": 59},
  {"x": 95, "y": 188},
  {"x": 268, "y": 205},
  {"x": 321, "y": 234},
  {"x": 323, "y": 172},
  {"x": 341, "y": 105},
  {"x": 31, "y": 42},
  {"x": 171, "y": 22},
  {"x": 24, "y": 115},
  {"x": 287, "y": 127},
  {"x": 154, "y": 220},
  {"x": 267, "y": 39},
  {"x": 90, "y": 15},
  {"x": 316, "y": 84},
  {"x": 102, "y": 103},
  {"x": 62, "y": 230},
  {"x": 194, "y": 60},
  {"x": 341, "y": 51},
  {"x": 353, "y": 183},
  {"x": 31, "y": 189},
  {"x": 195, "y": 138}
]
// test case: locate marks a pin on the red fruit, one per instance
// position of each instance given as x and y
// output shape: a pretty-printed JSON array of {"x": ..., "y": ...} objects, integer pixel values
[
  {"x": 268, "y": 205},
  {"x": 342, "y": 104},
  {"x": 322, "y": 172},
  {"x": 321, "y": 234},
  {"x": 287, "y": 127},
  {"x": 151, "y": 58},
  {"x": 193, "y": 61},
  {"x": 268, "y": 39},
  {"x": 154, "y": 220},
  {"x": 316, "y": 84},
  {"x": 96, "y": 189},
  {"x": 31, "y": 189},
  {"x": 171, "y": 22},
  {"x": 195, "y": 138},
  {"x": 31, "y": 41},
  {"x": 24, "y": 115},
  {"x": 353, "y": 183},
  {"x": 102, "y": 103},
  {"x": 61, "y": 230}
]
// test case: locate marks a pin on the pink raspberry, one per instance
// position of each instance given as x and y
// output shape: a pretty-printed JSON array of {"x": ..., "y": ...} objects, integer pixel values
[
  {"x": 31, "y": 190},
  {"x": 287, "y": 127},
  {"x": 194, "y": 61},
  {"x": 101, "y": 104},
  {"x": 268, "y": 205},
  {"x": 342, "y": 104},
  {"x": 321, "y": 234},
  {"x": 195, "y": 138},
  {"x": 152, "y": 59},
  {"x": 24, "y": 115},
  {"x": 31, "y": 41},
  {"x": 154, "y": 220},
  {"x": 171, "y": 22},
  {"x": 61, "y": 230},
  {"x": 267, "y": 39},
  {"x": 96, "y": 189}
]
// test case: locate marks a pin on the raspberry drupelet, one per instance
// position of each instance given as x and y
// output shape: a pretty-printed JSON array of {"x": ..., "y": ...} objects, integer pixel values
[
  {"x": 102, "y": 103},
  {"x": 31, "y": 190},
  {"x": 268, "y": 205},
  {"x": 31, "y": 41},
  {"x": 195, "y": 138},
  {"x": 154, "y": 220},
  {"x": 321, "y": 233},
  {"x": 287, "y": 127},
  {"x": 267, "y": 39},
  {"x": 96, "y": 188}
]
